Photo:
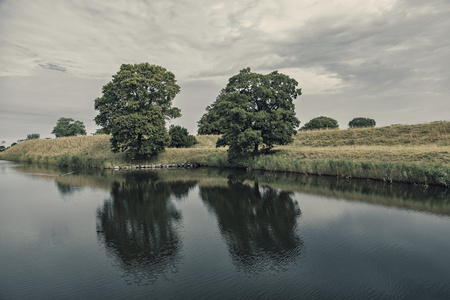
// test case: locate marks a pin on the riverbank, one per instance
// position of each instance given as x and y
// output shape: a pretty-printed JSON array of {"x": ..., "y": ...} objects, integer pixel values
[{"x": 404, "y": 153}]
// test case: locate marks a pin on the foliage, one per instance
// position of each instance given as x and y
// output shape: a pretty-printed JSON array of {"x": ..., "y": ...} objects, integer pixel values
[
  {"x": 410, "y": 153},
  {"x": 68, "y": 127},
  {"x": 180, "y": 137},
  {"x": 361, "y": 122},
  {"x": 2, "y": 148},
  {"x": 208, "y": 124},
  {"x": 255, "y": 109},
  {"x": 135, "y": 106},
  {"x": 139, "y": 135},
  {"x": 33, "y": 136},
  {"x": 100, "y": 131},
  {"x": 321, "y": 123}
]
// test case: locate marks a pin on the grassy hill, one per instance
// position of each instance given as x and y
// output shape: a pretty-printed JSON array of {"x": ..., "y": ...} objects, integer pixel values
[{"x": 408, "y": 153}]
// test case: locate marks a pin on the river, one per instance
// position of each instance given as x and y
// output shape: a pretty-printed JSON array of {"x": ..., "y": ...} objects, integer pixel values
[{"x": 218, "y": 234}]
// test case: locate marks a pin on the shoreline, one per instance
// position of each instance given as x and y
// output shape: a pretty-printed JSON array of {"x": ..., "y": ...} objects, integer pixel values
[
  {"x": 417, "y": 154},
  {"x": 423, "y": 174}
]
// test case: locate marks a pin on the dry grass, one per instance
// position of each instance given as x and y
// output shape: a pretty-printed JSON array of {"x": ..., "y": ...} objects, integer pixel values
[
  {"x": 435, "y": 133},
  {"x": 399, "y": 153}
]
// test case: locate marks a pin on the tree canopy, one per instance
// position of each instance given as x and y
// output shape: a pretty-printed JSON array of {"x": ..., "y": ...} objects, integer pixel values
[
  {"x": 134, "y": 108},
  {"x": 254, "y": 110},
  {"x": 68, "y": 127},
  {"x": 361, "y": 122},
  {"x": 208, "y": 124},
  {"x": 321, "y": 123}
]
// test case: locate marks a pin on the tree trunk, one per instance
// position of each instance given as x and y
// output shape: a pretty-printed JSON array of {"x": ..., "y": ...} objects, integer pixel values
[
  {"x": 139, "y": 144},
  {"x": 255, "y": 150}
]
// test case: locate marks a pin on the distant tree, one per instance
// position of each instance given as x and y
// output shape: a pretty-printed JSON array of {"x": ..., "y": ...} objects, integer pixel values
[
  {"x": 180, "y": 137},
  {"x": 134, "y": 108},
  {"x": 255, "y": 110},
  {"x": 33, "y": 136},
  {"x": 68, "y": 127},
  {"x": 361, "y": 122},
  {"x": 321, "y": 123}
]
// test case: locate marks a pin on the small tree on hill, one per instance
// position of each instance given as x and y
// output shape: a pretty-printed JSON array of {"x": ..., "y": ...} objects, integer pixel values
[
  {"x": 321, "y": 123},
  {"x": 68, "y": 127},
  {"x": 180, "y": 137},
  {"x": 361, "y": 122},
  {"x": 33, "y": 136}
]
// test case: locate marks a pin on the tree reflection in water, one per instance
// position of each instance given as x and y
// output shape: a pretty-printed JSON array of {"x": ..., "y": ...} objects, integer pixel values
[
  {"x": 138, "y": 225},
  {"x": 257, "y": 223}
]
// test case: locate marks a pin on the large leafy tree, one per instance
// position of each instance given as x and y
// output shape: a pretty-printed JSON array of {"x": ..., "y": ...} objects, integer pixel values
[
  {"x": 134, "y": 108},
  {"x": 361, "y": 122},
  {"x": 68, "y": 127},
  {"x": 321, "y": 123},
  {"x": 255, "y": 110}
]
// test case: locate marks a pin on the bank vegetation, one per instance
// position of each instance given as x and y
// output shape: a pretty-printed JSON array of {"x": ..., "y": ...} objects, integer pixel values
[{"x": 403, "y": 153}]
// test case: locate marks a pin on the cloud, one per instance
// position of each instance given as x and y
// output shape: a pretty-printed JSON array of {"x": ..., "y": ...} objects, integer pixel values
[
  {"x": 54, "y": 67},
  {"x": 372, "y": 53},
  {"x": 351, "y": 58}
]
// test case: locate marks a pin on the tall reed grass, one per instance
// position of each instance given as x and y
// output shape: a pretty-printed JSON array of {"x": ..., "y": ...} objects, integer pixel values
[{"x": 427, "y": 174}]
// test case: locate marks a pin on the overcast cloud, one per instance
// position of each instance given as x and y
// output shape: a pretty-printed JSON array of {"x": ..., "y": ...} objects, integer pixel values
[{"x": 384, "y": 59}]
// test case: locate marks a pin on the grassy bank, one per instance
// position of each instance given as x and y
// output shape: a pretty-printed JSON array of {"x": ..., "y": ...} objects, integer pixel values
[{"x": 404, "y": 153}]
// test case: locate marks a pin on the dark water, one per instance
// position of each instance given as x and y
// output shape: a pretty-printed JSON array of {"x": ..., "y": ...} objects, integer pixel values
[{"x": 212, "y": 234}]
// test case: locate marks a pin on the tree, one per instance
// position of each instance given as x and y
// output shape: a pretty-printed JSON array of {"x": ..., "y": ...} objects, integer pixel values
[
  {"x": 255, "y": 110},
  {"x": 321, "y": 123},
  {"x": 33, "y": 136},
  {"x": 361, "y": 122},
  {"x": 134, "y": 108},
  {"x": 139, "y": 135},
  {"x": 68, "y": 127},
  {"x": 2, "y": 148},
  {"x": 208, "y": 124},
  {"x": 180, "y": 137}
]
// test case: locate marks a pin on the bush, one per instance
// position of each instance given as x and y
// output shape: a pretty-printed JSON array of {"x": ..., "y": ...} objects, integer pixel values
[
  {"x": 179, "y": 137},
  {"x": 361, "y": 122},
  {"x": 33, "y": 136},
  {"x": 321, "y": 123}
]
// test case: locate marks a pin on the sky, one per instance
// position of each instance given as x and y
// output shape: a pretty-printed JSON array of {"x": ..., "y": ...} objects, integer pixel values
[{"x": 388, "y": 60}]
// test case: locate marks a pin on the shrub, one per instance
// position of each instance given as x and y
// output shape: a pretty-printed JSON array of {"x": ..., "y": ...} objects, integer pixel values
[
  {"x": 361, "y": 122},
  {"x": 179, "y": 137},
  {"x": 321, "y": 123}
]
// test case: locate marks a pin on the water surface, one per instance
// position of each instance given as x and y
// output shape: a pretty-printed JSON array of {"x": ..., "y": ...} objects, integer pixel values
[{"x": 218, "y": 234}]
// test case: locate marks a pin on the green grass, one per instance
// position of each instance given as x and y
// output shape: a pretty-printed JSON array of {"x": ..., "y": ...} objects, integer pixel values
[{"x": 405, "y": 153}]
